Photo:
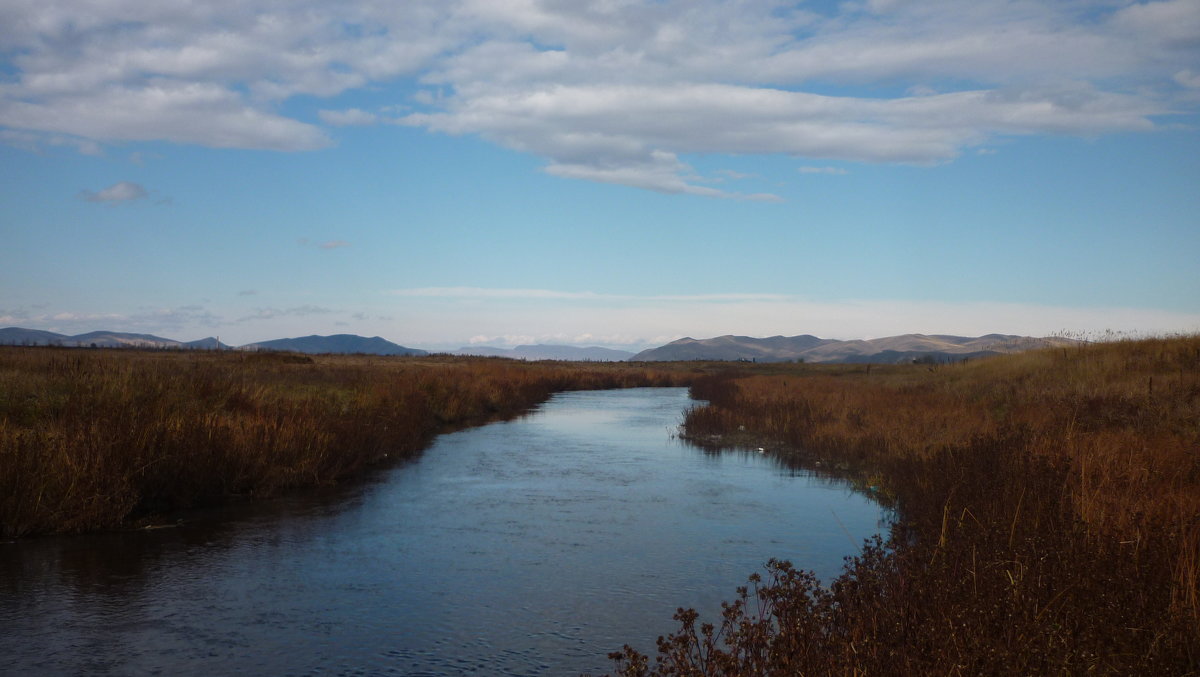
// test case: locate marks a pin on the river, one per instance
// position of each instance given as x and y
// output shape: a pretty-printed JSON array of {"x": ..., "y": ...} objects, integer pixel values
[{"x": 527, "y": 547}]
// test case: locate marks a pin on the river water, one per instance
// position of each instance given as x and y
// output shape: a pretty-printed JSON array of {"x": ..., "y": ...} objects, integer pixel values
[{"x": 529, "y": 547}]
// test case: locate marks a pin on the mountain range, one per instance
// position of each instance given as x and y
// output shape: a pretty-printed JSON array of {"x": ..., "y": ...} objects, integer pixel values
[
  {"x": 891, "y": 350},
  {"x": 101, "y": 339},
  {"x": 807, "y": 348},
  {"x": 338, "y": 343}
]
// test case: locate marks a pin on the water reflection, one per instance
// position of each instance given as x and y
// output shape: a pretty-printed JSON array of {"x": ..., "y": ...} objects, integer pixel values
[{"x": 528, "y": 547}]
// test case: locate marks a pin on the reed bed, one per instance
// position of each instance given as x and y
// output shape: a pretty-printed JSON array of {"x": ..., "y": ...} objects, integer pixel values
[
  {"x": 1049, "y": 508},
  {"x": 102, "y": 439}
]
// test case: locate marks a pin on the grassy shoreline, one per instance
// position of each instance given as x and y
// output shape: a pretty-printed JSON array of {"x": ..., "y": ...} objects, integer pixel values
[
  {"x": 98, "y": 439},
  {"x": 1050, "y": 518},
  {"x": 1049, "y": 501}
]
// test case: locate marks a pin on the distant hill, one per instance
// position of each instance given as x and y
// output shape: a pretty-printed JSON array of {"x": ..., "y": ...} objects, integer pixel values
[
  {"x": 210, "y": 343},
  {"x": 773, "y": 349},
  {"x": 99, "y": 339},
  {"x": 116, "y": 339},
  {"x": 337, "y": 343},
  {"x": 16, "y": 336},
  {"x": 889, "y": 350},
  {"x": 549, "y": 352}
]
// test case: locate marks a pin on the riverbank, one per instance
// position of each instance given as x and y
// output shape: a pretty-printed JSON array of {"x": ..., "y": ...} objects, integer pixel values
[
  {"x": 101, "y": 439},
  {"x": 1050, "y": 518}
]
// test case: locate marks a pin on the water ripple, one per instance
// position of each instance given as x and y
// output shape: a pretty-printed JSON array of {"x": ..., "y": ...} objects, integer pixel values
[{"x": 532, "y": 547}]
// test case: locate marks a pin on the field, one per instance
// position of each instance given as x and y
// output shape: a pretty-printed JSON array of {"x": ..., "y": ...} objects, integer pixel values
[
  {"x": 104, "y": 439},
  {"x": 1050, "y": 518},
  {"x": 1048, "y": 502}
]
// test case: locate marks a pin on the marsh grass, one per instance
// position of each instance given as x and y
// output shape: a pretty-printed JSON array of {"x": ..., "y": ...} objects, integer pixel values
[
  {"x": 98, "y": 439},
  {"x": 1049, "y": 523},
  {"x": 1049, "y": 502}
]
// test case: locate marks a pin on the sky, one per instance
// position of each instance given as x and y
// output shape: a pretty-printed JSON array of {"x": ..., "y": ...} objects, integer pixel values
[{"x": 619, "y": 173}]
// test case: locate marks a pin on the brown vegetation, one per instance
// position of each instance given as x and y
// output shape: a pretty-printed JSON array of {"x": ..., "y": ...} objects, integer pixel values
[
  {"x": 94, "y": 439},
  {"x": 1049, "y": 509},
  {"x": 1049, "y": 501}
]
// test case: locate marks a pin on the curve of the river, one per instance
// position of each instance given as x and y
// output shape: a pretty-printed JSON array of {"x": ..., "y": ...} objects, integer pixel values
[{"x": 529, "y": 547}]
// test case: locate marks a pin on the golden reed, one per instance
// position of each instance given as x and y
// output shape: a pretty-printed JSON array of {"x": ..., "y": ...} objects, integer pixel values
[
  {"x": 98, "y": 439},
  {"x": 1049, "y": 518}
]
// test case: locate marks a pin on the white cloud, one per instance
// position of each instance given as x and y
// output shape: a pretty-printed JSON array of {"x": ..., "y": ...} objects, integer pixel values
[
  {"x": 141, "y": 158},
  {"x": 123, "y": 191},
  {"x": 201, "y": 73},
  {"x": 618, "y": 92},
  {"x": 505, "y": 340},
  {"x": 487, "y": 293},
  {"x": 1188, "y": 79},
  {"x": 618, "y": 133},
  {"x": 161, "y": 321},
  {"x": 821, "y": 170},
  {"x": 733, "y": 174},
  {"x": 661, "y": 172},
  {"x": 273, "y": 313},
  {"x": 621, "y": 341},
  {"x": 348, "y": 117},
  {"x": 35, "y": 142},
  {"x": 1164, "y": 25},
  {"x": 198, "y": 113}
]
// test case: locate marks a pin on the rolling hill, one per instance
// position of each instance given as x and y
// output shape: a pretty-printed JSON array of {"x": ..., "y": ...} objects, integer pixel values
[
  {"x": 337, "y": 343},
  {"x": 98, "y": 339},
  {"x": 891, "y": 349}
]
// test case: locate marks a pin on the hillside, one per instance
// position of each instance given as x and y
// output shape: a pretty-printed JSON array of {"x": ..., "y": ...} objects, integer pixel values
[
  {"x": 891, "y": 349},
  {"x": 98, "y": 339},
  {"x": 337, "y": 343}
]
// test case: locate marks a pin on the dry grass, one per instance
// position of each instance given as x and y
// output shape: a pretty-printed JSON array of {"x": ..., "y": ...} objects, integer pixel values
[
  {"x": 94, "y": 439},
  {"x": 1050, "y": 501},
  {"x": 1050, "y": 506}
]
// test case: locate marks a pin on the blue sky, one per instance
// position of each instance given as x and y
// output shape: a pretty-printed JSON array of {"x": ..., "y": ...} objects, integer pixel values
[{"x": 616, "y": 173}]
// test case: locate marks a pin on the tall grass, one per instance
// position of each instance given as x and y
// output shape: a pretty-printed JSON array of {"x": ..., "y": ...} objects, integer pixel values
[
  {"x": 96, "y": 439},
  {"x": 1050, "y": 518}
]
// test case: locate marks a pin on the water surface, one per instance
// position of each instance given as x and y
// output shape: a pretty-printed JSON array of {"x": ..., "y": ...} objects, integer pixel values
[{"x": 529, "y": 547}]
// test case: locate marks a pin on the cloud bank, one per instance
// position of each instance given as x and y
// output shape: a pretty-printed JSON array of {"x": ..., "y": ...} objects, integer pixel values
[
  {"x": 123, "y": 191},
  {"x": 514, "y": 316},
  {"x": 620, "y": 92}
]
